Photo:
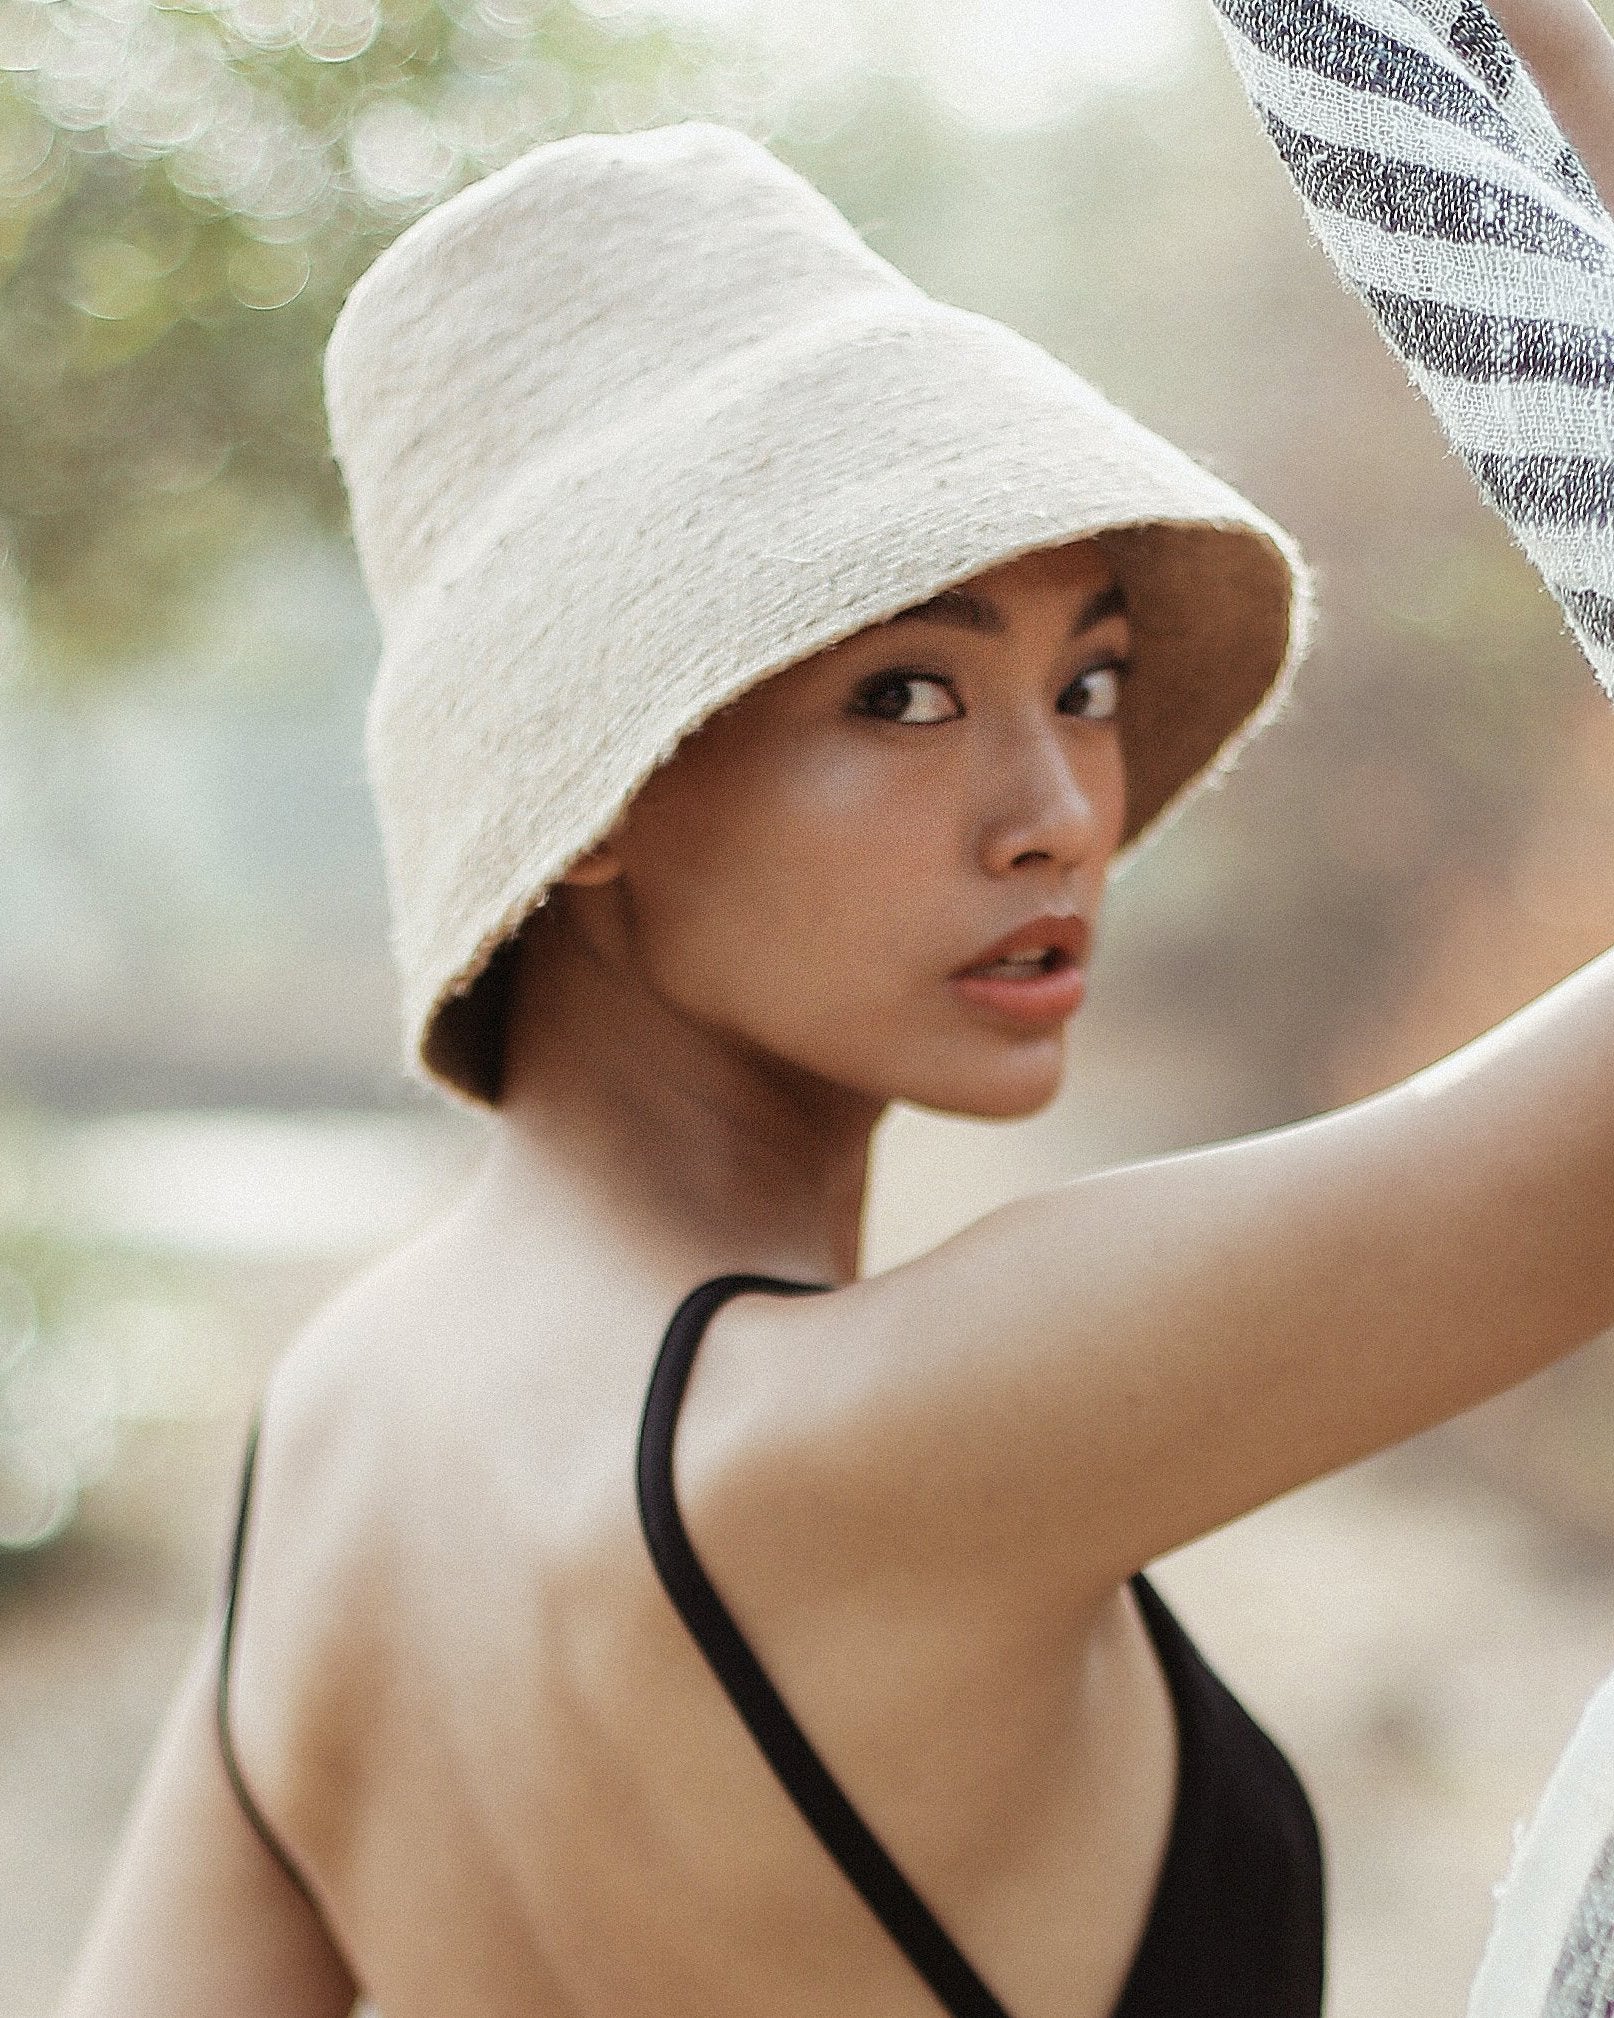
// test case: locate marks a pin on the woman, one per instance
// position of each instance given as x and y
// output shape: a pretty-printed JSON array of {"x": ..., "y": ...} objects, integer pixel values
[{"x": 776, "y": 665}]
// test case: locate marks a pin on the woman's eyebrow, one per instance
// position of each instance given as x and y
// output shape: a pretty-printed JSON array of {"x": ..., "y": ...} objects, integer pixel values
[
  {"x": 972, "y": 611},
  {"x": 1110, "y": 602}
]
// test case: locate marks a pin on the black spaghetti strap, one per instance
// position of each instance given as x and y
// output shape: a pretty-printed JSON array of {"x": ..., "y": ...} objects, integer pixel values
[
  {"x": 232, "y": 1765},
  {"x": 805, "y": 1777}
]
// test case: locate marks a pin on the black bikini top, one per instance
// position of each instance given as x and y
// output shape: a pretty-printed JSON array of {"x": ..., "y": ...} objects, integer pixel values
[{"x": 1236, "y": 1926}]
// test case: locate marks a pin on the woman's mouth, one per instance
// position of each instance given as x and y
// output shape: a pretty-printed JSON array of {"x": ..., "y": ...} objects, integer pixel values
[{"x": 1038, "y": 980}]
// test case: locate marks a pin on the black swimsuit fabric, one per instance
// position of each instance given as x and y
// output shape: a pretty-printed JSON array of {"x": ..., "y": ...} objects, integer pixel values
[{"x": 1236, "y": 1926}]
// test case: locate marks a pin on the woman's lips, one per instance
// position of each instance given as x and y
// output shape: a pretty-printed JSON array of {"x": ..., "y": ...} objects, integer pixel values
[
  {"x": 1051, "y": 979},
  {"x": 1035, "y": 998}
]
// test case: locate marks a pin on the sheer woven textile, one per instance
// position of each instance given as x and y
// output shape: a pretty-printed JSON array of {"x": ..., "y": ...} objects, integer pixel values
[
  {"x": 1438, "y": 184},
  {"x": 1551, "y": 1950}
]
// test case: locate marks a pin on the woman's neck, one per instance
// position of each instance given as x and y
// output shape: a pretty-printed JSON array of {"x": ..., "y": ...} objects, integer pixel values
[{"x": 689, "y": 1143}]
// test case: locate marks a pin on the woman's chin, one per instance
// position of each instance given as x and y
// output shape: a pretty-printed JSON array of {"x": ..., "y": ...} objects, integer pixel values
[{"x": 1005, "y": 1091}]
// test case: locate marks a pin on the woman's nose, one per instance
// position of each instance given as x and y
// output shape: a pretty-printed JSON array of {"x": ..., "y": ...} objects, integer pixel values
[{"x": 1053, "y": 803}]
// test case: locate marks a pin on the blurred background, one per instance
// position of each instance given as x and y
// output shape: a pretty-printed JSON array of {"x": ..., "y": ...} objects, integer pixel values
[{"x": 202, "y": 1126}]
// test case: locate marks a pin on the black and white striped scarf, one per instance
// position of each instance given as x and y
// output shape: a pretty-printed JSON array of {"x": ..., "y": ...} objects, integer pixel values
[{"x": 1436, "y": 180}]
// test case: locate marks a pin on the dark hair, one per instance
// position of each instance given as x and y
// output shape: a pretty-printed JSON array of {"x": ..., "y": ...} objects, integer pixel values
[{"x": 468, "y": 1035}]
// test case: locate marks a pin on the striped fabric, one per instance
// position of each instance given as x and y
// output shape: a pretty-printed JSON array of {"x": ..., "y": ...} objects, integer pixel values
[{"x": 1437, "y": 182}]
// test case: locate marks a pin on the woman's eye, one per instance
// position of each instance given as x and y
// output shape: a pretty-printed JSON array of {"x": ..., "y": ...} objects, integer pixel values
[
  {"x": 908, "y": 697},
  {"x": 1098, "y": 692}
]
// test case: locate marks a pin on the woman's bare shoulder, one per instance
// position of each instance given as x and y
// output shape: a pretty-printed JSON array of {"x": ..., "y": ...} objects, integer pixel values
[
  {"x": 413, "y": 1436},
  {"x": 414, "y": 1325},
  {"x": 437, "y": 1353}
]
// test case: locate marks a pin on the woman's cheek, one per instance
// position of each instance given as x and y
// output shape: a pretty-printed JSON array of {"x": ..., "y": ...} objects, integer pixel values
[
  {"x": 863, "y": 792},
  {"x": 820, "y": 844}
]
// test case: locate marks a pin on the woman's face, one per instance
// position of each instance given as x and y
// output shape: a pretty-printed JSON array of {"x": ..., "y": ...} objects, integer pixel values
[{"x": 815, "y": 867}]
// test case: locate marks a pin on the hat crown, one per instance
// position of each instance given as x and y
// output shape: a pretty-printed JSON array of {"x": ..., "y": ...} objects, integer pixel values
[{"x": 585, "y": 282}]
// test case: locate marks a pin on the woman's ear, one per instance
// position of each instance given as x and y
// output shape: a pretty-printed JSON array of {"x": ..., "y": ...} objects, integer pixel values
[{"x": 599, "y": 865}]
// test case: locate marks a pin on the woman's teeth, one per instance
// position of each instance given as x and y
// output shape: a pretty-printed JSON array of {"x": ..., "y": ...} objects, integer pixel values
[{"x": 1019, "y": 965}]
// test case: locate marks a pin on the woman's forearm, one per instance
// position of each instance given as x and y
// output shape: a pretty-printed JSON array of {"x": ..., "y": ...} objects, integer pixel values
[{"x": 1570, "y": 54}]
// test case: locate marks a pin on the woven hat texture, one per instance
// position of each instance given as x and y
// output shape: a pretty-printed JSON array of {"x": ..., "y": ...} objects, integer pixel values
[{"x": 638, "y": 420}]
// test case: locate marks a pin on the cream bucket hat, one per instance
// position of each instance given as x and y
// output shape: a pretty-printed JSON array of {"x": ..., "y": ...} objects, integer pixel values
[{"x": 637, "y": 421}]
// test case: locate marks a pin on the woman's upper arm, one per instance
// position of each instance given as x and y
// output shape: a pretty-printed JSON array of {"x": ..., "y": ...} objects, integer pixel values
[
  {"x": 1093, "y": 1375},
  {"x": 197, "y": 1917}
]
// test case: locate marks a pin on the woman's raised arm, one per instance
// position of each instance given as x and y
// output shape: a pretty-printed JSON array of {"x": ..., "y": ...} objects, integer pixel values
[
  {"x": 198, "y": 1920},
  {"x": 1088, "y": 1377}
]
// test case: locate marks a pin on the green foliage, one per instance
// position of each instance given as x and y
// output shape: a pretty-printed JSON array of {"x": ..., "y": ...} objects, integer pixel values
[{"x": 186, "y": 194}]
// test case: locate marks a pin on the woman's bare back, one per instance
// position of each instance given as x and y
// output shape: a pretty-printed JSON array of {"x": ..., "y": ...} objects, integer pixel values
[{"x": 468, "y": 1706}]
